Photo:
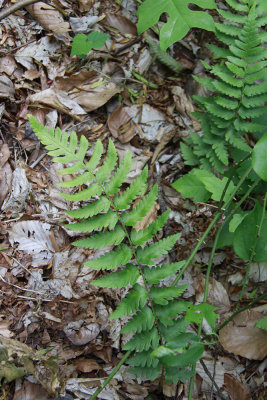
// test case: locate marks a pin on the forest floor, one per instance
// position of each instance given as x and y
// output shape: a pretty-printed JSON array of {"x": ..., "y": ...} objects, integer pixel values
[{"x": 51, "y": 317}]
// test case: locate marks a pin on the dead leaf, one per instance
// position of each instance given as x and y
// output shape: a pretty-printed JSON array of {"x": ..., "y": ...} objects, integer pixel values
[
  {"x": 87, "y": 88},
  {"x": 48, "y": 17},
  {"x": 148, "y": 219},
  {"x": 31, "y": 391},
  {"x": 6, "y": 87},
  {"x": 4, "y": 331},
  {"x": 34, "y": 238},
  {"x": 242, "y": 338},
  {"x": 235, "y": 389},
  {"x": 4, "y": 154},
  {"x": 123, "y": 24},
  {"x": 32, "y": 74},
  {"x": 79, "y": 333},
  {"x": 86, "y": 365},
  {"x": 121, "y": 125},
  {"x": 19, "y": 193},
  {"x": 7, "y": 65}
]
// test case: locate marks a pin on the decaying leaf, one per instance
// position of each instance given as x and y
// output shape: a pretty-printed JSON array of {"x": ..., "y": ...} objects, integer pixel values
[
  {"x": 235, "y": 389},
  {"x": 79, "y": 333},
  {"x": 19, "y": 193},
  {"x": 48, "y": 17},
  {"x": 148, "y": 219},
  {"x": 31, "y": 391},
  {"x": 121, "y": 125},
  {"x": 123, "y": 24},
  {"x": 242, "y": 338},
  {"x": 6, "y": 87},
  {"x": 33, "y": 237},
  {"x": 86, "y": 365}
]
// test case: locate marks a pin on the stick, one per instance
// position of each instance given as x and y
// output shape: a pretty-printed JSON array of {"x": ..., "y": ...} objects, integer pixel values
[{"x": 15, "y": 7}]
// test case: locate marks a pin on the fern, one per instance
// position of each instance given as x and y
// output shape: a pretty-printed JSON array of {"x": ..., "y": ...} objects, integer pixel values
[
  {"x": 239, "y": 86},
  {"x": 163, "y": 56},
  {"x": 108, "y": 215}
]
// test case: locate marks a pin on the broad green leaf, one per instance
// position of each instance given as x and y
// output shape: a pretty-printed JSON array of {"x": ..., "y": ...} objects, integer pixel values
[
  {"x": 246, "y": 235},
  {"x": 180, "y": 18},
  {"x": 189, "y": 357},
  {"x": 235, "y": 221},
  {"x": 259, "y": 157},
  {"x": 191, "y": 186},
  {"x": 262, "y": 323},
  {"x": 82, "y": 43}
]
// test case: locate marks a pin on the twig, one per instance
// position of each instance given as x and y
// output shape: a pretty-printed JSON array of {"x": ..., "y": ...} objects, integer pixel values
[
  {"x": 213, "y": 381},
  {"x": 15, "y": 7}
]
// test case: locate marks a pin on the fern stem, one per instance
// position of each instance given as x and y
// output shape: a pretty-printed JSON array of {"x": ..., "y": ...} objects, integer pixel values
[
  {"x": 252, "y": 253},
  {"x": 115, "y": 370}
]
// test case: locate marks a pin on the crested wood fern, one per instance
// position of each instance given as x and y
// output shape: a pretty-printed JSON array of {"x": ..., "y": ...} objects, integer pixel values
[
  {"x": 231, "y": 117},
  {"x": 158, "y": 319}
]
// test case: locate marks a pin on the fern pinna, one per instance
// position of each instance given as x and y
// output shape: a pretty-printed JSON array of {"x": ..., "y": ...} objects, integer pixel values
[
  {"x": 159, "y": 320},
  {"x": 231, "y": 118}
]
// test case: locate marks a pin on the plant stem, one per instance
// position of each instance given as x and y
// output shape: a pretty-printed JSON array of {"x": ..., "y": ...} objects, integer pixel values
[
  {"x": 15, "y": 7},
  {"x": 108, "y": 379}
]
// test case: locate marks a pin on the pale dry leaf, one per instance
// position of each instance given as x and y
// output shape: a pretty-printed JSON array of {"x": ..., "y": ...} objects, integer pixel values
[
  {"x": 4, "y": 154},
  {"x": 7, "y": 65},
  {"x": 235, "y": 389},
  {"x": 258, "y": 272},
  {"x": 33, "y": 237},
  {"x": 4, "y": 331},
  {"x": 80, "y": 333},
  {"x": 19, "y": 194},
  {"x": 86, "y": 365},
  {"x": 241, "y": 337},
  {"x": 219, "y": 372},
  {"x": 48, "y": 17},
  {"x": 121, "y": 125},
  {"x": 123, "y": 24},
  {"x": 87, "y": 88},
  {"x": 217, "y": 296},
  {"x": 31, "y": 391},
  {"x": 6, "y": 88}
]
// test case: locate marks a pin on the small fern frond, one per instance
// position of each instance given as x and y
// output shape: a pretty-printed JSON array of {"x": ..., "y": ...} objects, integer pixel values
[
  {"x": 112, "y": 259},
  {"x": 161, "y": 295},
  {"x": 137, "y": 187},
  {"x": 93, "y": 190},
  {"x": 155, "y": 274},
  {"x": 95, "y": 223},
  {"x": 94, "y": 208},
  {"x": 143, "y": 341},
  {"x": 143, "y": 359},
  {"x": 96, "y": 157},
  {"x": 119, "y": 279},
  {"x": 145, "y": 373},
  {"x": 141, "y": 321},
  {"x": 134, "y": 300},
  {"x": 163, "y": 56},
  {"x": 237, "y": 6},
  {"x": 157, "y": 249},
  {"x": 102, "y": 239},
  {"x": 221, "y": 152},
  {"x": 112, "y": 187},
  {"x": 167, "y": 313},
  {"x": 142, "y": 208},
  {"x": 142, "y": 236},
  {"x": 109, "y": 164},
  {"x": 188, "y": 155}
]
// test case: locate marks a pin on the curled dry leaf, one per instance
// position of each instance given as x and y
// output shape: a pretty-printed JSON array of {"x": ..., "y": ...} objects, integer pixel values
[
  {"x": 123, "y": 24},
  {"x": 6, "y": 88},
  {"x": 242, "y": 338},
  {"x": 79, "y": 333},
  {"x": 86, "y": 365},
  {"x": 19, "y": 194},
  {"x": 48, "y": 17},
  {"x": 121, "y": 125},
  {"x": 87, "y": 88},
  {"x": 235, "y": 389}
]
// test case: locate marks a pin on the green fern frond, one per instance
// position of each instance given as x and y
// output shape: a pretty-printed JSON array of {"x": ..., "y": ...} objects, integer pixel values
[
  {"x": 142, "y": 320},
  {"x": 95, "y": 223},
  {"x": 163, "y": 56},
  {"x": 188, "y": 155},
  {"x": 142, "y": 236},
  {"x": 155, "y": 274},
  {"x": 237, "y": 6},
  {"x": 161, "y": 295},
  {"x": 112, "y": 187},
  {"x": 157, "y": 249},
  {"x": 142, "y": 208},
  {"x": 96, "y": 157},
  {"x": 143, "y": 359},
  {"x": 93, "y": 190},
  {"x": 109, "y": 164},
  {"x": 112, "y": 259},
  {"x": 167, "y": 313},
  {"x": 221, "y": 152},
  {"x": 134, "y": 300},
  {"x": 119, "y": 279},
  {"x": 94, "y": 208},
  {"x": 102, "y": 239},
  {"x": 145, "y": 373},
  {"x": 143, "y": 341}
]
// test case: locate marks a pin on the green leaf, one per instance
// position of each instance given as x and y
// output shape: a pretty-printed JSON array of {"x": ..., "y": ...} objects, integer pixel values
[
  {"x": 143, "y": 359},
  {"x": 93, "y": 190},
  {"x": 109, "y": 164},
  {"x": 147, "y": 254},
  {"x": 180, "y": 20},
  {"x": 98, "y": 39},
  {"x": 143, "y": 341},
  {"x": 191, "y": 186},
  {"x": 142, "y": 236},
  {"x": 102, "y": 239},
  {"x": 262, "y": 323},
  {"x": 112, "y": 187},
  {"x": 82, "y": 43},
  {"x": 246, "y": 235},
  {"x": 146, "y": 373},
  {"x": 119, "y": 279},
  {"x": 111, "y": 259},
  {"x": 97, "y": 222},
  {"x": 141, "y": 321},
  {"x": 161, "y": 295},
  {"x": 94, "y": 208},
  {"x": 155, "y": 274},
  {"x": 166, "y": 313},
  {"x": 235, "y": 221},
  {"x": 134, "y": 300},
  {"x": 259, "y": 157},
  {"x": 189, "y": 357}
]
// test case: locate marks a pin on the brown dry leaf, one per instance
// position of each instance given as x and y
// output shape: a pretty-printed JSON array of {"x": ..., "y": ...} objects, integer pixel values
[
  {"x": 87, "y": 88},
  {"x": 31, "y": 391},
  {"x": 4, "y": 331},
  {"x": 149, "y": 218},
  {"x": 4, "y": 154},
  {"x": 7, "y": 65},
  {"x": 121, "y": 125},
  {"x": 6, "y": 88},
  {"x": 79, "y": 333},
  {"x": 123, "y": 24},
  {"x": 235, "y": 389},
  {"x": 32, "y": 74},
  {"x": 242, "y": 338},
  {"x": 48, "y": 17},
  {"x": 218, "y": 296},
  {"x": 86, "y": 365}
]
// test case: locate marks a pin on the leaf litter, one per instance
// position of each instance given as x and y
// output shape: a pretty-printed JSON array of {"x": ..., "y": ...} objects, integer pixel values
[{"x": 47, "y": 302}]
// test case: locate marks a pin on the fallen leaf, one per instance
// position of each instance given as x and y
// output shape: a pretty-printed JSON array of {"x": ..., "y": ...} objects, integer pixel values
[
  {"x": 48, "y": 17},
  {"x": 86, "y": 365},
  {"x": 31, "y": 391},
  {"x": 19, "y": 193},
  {"x": 6, "y": 88},
  {"x": 235, "y": 389},
  {"x": 7, "y": 65},
  {"x": 123, "y": 24},
  {"x": 4, "y": 331},
  {"x": 121, "y": 125},
  {"x": 80, "y": 333},
  {"x": 33, "y": 237},
  {"x": 242, "y": 338}
]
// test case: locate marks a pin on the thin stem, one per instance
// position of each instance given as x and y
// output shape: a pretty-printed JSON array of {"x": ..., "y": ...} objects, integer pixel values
[
  {"x": 115, "y": 370},
  {"x": 15, "y": 7},
  {"x": 252, "y": 253}
]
